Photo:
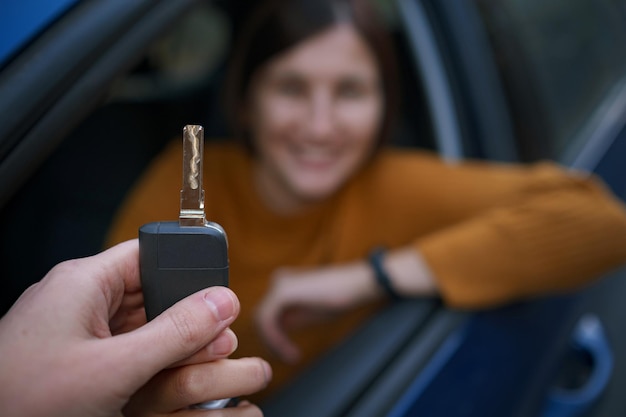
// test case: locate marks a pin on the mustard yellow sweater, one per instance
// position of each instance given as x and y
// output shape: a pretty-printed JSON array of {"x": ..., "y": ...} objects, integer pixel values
[{"x": 490, "y": 233}]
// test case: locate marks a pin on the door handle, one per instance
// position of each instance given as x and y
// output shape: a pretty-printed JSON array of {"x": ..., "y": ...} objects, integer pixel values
[{"x": 590, "y": 338}]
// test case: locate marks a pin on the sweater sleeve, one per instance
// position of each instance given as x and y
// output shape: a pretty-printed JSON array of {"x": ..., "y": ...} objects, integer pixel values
[{"x": 558, "y": 233}]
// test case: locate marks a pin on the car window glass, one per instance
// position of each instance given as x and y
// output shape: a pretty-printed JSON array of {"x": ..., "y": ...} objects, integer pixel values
[{"x": 559, "y": 61}]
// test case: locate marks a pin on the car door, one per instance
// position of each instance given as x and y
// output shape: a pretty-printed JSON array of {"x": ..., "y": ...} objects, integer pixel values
[{"x": 505, "y": 81}]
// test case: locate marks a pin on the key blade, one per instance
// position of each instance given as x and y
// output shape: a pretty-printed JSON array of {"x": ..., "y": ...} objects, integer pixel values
[{"x": 192, "y": 194}]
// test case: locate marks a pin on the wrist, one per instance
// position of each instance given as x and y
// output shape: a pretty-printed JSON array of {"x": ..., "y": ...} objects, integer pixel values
[
  {"x": 409, "y": 273},
  {"x": 365, "y": 288},
  {"x": 381, "y": 276}
]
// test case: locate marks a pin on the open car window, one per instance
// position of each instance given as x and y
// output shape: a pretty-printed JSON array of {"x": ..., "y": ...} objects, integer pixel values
[
  {"x": 86, "y": 104},
  {"x": 81, "y": 137}
]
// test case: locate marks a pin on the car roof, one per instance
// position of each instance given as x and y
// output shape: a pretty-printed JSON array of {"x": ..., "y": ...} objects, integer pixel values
[{"x": 24, "y": 20}]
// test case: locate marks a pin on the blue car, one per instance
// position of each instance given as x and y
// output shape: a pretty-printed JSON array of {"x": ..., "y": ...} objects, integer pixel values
[{"x": 91, "y": 91}]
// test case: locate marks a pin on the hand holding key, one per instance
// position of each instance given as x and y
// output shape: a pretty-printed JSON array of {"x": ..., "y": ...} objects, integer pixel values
[
  {"x": 59, "y": 356},
  {"x": 77, "y": 343},
  {"x": 180, "y": 258}
]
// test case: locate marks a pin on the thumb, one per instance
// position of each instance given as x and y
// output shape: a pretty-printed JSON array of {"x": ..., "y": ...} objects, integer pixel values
[{"x": 176, "y": 334}]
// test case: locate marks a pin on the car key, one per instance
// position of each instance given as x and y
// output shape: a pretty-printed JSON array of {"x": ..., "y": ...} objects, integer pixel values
[{"x": 180, "y": 258}]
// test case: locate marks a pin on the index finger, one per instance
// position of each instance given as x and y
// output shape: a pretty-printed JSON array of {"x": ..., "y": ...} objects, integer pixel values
[
  {"x": 116, "y": 270},
  {"x": 180, "y": 387},
  {"x": 120, "y": 261}
]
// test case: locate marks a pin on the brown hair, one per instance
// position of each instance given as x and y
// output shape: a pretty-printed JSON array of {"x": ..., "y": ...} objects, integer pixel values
[{"x": 277, "y": 25}]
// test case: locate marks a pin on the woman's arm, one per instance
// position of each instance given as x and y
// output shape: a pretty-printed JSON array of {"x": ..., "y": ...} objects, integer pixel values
[
  {"x": 298, "y": 297},
  {"x": 561, "y": 233},
  {"x": 555, "y": 232}
]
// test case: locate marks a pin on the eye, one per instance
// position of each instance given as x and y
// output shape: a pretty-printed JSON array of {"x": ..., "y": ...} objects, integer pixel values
[
  {"x": 290, "y": 87},
  {"x": 351, "y": 89}
]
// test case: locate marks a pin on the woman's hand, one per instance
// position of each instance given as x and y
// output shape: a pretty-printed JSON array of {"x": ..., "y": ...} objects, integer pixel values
[
  {"x": 296, "y": 298},
  {"x": 71, "y": 345}
]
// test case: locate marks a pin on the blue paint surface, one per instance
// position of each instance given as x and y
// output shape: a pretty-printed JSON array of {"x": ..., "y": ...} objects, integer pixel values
[{"x": 22, "y": 20}]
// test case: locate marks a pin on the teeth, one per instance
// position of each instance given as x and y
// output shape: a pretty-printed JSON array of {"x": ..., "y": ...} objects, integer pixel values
[
  {"x": 315, "y": 157},
  {"x": 313, "y": 154},
  {"x": 316, "y": 154}
]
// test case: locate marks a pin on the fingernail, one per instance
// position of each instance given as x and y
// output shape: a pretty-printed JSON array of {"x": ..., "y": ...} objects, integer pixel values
[
  {"x": 267, "y": 369},
  {"x": 225, "y": 344},
  {"x": 221, "y": 301}
]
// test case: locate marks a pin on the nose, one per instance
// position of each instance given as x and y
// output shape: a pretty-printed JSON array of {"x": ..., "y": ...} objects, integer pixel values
[{"x": 322, "y": 115}]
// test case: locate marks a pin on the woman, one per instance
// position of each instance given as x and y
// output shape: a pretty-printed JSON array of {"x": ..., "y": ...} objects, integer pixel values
[{"x": 310, "y": 191}]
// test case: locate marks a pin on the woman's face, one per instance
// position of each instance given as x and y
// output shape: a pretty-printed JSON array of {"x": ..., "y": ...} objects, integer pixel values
[{"x": 314, "y": 115}]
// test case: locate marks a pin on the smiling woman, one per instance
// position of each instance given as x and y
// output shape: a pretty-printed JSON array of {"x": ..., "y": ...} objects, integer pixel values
[
  {"x": 315, "y": 122},
  {"x": 308, "y": 188}
]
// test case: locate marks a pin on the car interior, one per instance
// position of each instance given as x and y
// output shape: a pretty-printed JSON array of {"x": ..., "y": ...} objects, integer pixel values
[{"x": 77, "y": 189}]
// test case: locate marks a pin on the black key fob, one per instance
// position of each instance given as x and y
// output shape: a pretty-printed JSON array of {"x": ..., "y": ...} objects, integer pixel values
[
  {"x": 183, "y": 257},
  {"x": 177, "y": 261}
]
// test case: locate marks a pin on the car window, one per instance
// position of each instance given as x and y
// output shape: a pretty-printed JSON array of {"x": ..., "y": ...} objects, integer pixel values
[
  {"x": 80, "y": 185},
  {"x": 560, "y": 61},
  {"x": 177, "y": 81}
]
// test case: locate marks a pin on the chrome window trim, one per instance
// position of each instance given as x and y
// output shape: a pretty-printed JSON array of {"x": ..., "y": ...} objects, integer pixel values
[
  {"x": 599, "y": 133},
  {"x": 432, "y": 71}
]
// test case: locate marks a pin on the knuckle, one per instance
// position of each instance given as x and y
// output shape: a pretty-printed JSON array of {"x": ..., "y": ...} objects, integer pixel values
[
  {"x": 67, "y": 267},
  {"x": 186, "y": 327},
  {"x": 186, "y": 384}
]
